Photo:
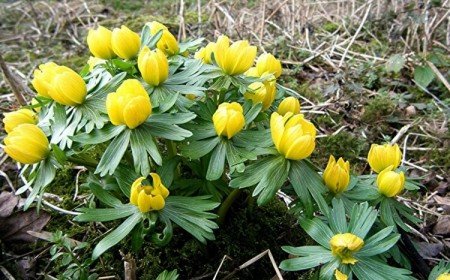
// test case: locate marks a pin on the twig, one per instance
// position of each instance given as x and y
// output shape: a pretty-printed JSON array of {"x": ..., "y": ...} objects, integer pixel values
[
  {"x": 17, "y": 87},
  {"x": 439, "y": 75}
]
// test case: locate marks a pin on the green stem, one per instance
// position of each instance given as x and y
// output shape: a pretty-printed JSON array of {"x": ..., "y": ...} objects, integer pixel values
[
  {"x": 221, "y": 97},
  {"x": 171, "y": 148},
  {"x": 92, "y": 163},
  {"x": 225, "y": 206}
]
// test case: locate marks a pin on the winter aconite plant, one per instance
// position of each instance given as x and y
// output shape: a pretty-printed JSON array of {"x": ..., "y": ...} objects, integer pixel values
[{"x": 171, "y": 133}]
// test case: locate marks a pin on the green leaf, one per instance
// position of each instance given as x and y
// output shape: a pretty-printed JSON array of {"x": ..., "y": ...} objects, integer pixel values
[
  {"x": 104, "y": 196},
  {"x": 116, "y": 235},
  {"x": 252, "y": 139},
  {"x": 371, "y": 269},
  {"x": 337, "y": 219},
  {"x": 198, "y": 149},
  {"x": 272, "y": 181},
  {"x": 318, "y": 231},
  {"x": 304, "y": 251},
  {"x": 423, "y": 75},
  {"x": 362, "y": 218},
  {"x": 172, "y": 118},
  {"x": 166, "y": 275},
  {"x": 217, "y": 162},
  {"x": 167, "y": 170},
  {"x": 308, "y": 262},
  {"x": 58, "y": 154},
  {"x": 379, "y": 247},
  {"x": 167, "y": 131},
  {"x": 113, "y": 154},
  {"x": 395, "y": 63},
  {"x": 147, "y": 39},
  {"x": 125, "y": 177},
  {"x": 105, "y": 214},
  {"x": 327, "y": 271},
  {"x": 142, "y": 146},
  {"x": 100, "y": 135},
  {"x": 251, "y": 114},
  {"x": 44, "y": 175}
]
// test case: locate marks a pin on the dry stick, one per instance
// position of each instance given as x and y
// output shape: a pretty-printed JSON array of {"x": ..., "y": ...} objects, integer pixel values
[
  {"x": 439, "y": 75},
  {"x": 356, "y": 34},
  {"x": 261, "y": 33},
  {"x": 17, "y": 87},
  {"x": 182, "y": 29}
]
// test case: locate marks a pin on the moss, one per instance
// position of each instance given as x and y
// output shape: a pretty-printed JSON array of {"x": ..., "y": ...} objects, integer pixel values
[
  {"x": 378, "y": 109},
  {"x": 330, "y": 26}
]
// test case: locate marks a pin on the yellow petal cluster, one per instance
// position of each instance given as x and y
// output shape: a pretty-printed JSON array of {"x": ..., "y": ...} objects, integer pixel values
[
  {"x": 293, "y": 135},
  {"x": 204, "y": 54},
  {"x": 125, "y": 43},
  {"x": 153, "y": 65},
  {"x": 444, "y": 276},
  {"x": 383, "y": 156},
  {"x": 168, "y": 43},
  {"x": 267, "y": 63},
  {"x": 16, "y": 118},
  {"x": 149, "y": 197},
  {"x": 339, "y": 275},
  {"x": 228, "y": 119},
  {"x": 390, "y": 183},
  {"x": 99, "y": 42},
  {"x": 261, "y": 93},
  {"x": 344, "y": 245},
  {"x": 26, "y": 144},
  {"x": 130, "y": 105},
  {"x": 337, "y": 175},
  {"x": 234, "y": 59},
  {"x": 289, "y": 104}
]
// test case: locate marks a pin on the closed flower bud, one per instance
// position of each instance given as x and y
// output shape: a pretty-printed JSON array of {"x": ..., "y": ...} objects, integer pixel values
[
  {"x": 234, "y": 59},
  {"x": 99, "y": 42},
  {"x": 149, "y": 197},
  {"x": 204, "y": 54},
  {"x": 267, "y": 63},
  {"x": 67, "y": 87},
  {"x": 252, "y": 72},
  {"x": 344, "y": 245},
  {"x": 43, "y": 78},
  {"x": 382, "y": 156},
  {"x": 262, "y": 93},
  {"x": 26, "y": 144},
  {"x": 289, "y": 104},
  {"x": 125, "y": 43},
  {"x": 130, "y": 105},
  {"x": 337, "y": 175},
  {"x": 168, "y": 43},
  {"x": 228, "y": 119},
  {"x": 339, "y": 275},
  {"x": 390, "y": 183},
  {"x": 94, "y": 61},
  {"x": 293, "y": 135},
  {"x": 153, "y": 65},
  {"x": 21, "y": 116},
  {"x": 444, "y": 276}
]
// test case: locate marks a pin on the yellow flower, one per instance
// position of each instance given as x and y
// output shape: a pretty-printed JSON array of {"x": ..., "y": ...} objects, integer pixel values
[
  {"x": 382, "y": 156},
  {"x": 267, "y": 63},
  {"x": 43, "y": 78},
  {"x": 27, "y": 144},
  {"x": 344, "y": 245},
  {"x": 444, "y": 276},
  {"x": 99, "y": 42},
  {"x": 337, "y": 175},
  {"x": 94, "y": 61},
  {"x": 149, "y": 197},
  {"x": 21, "y": 116},
  {"x": 228, "y": 119},
  {"x": 234, "y": 59},
  {"x": 289, "y": 104},
  {"x": 339, "y": 275},
  {"x": 390, "y": 183},
  {"x": 252, "y": 72},
  {"x": 205, "y": 53},
  {"x": 36, "y": 104},
  {"x": 261, "y": 93},
  {"x": 293, "y": 135},
  {"x": 129, "y": 105},
  {"x": 191, "y": 96},
  {"x": 67, "y": 87},
  {"x": 125, "y": 43},
  {"x": 153, "y": 65},
  {"x": 168, "y": 43}
]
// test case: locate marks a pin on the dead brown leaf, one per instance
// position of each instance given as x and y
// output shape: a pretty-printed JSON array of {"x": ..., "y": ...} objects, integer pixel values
[
  {"x": 8, "y": 202},
  {"x": 15, "y": 227},
  {"x": 442, "y": 226}
]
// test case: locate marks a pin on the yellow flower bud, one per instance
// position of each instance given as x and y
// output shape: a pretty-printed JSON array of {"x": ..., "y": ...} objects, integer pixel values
[
  {"x": 339, "y": 275},
  {"x": 252, "y": 72},
  {"x": 125, "y": 43},
  {"x": 43, "y": 78},
  {"x": 262, "y": 93},
  {"x": 382, "y": 156},
  {"x": 390, "y": 183},
  {"x": 149, "y": 197},
  {"x": 293, "y": 135},
  {"x": 234, "y": 59},
  {"x": 153, "y": 65},
  {"x": 229, "y": 119},
  {"x": 444, "y": 276},
  {"x": 267, "y": 63},
  {"x": 191, "y": 96},
  {"x": 21, "y": 116},
  {"x": 67, "y": 87},
  {"x": 204, "y": 54},
  {"x": 27, "y": 144},
  {"x": 289, "y": 104},
  {"x": 343, "y": 245},
  {"x": 168, "y": 43},
  {"x": 94, "y": 61},
  {"x": 99, "y": 42},
  {"x": 337, "y": 175},
  {"x": 129, "y": 105}
]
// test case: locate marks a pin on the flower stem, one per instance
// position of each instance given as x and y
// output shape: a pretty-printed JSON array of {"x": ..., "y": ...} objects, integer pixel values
[
  {"x": 171, "y": 148},
  {"x": 92, "y": 163},
  {"x": 225, "y": 206}
]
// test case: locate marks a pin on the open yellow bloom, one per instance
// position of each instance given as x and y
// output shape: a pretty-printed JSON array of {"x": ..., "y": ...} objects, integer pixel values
[
  {"x": 293, "y": 135},
  {"x": 149, "y": 197},
  {"x": 129, "y": 105},
  {"x": 228, "y": 119},
  {"x": 234, "y": 59},
  {"x": 27, "y": 144},
  {"x": 99, "y": 42},
  {"x": 337, "y": 175},
  {"x": 344, "y": 245},
  {"x": 153, "y": 65},
  {"x": 21, "y": 116},
  {"x": 339, "y": 275},
  {"x": 390, "y": 183},
  {"x": 67, "y": 87},
  {"x": 43, "y": 78},
  {"x": 262, "y": 93},
  {"x": 205, "y": 53},
  {"x": 168, "y": 43},
  {"x": 267, "y": 63},
  {"x": 289, "y": 104},
  {"x": 94, "y": 61},
  {"x": 125, "y": 43},
  {"x": 382, "y": 156},
  {"x": 444, "y": 276}
]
